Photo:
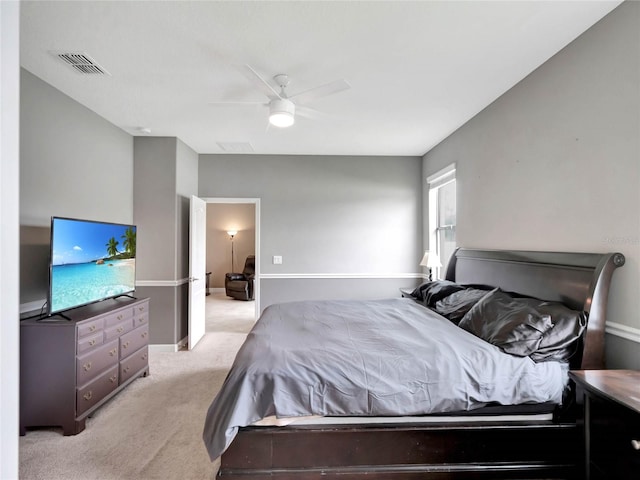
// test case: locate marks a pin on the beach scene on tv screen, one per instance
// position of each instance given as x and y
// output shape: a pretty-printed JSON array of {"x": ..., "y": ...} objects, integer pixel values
[{"x": 90, "y": 262}]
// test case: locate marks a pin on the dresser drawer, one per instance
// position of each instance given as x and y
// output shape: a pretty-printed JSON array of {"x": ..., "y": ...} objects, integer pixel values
[
  {"x": 141, "y": 319},
  {"x": 117, "y": 330},
  {"x": 141, "y": 314},
  {"x": 87, "y": 343},
  {"x": 93, "y": 392},
  {"x": 132, "y": 341},
  {"x": 134, "y": 363},
  {"x": 141, "y": 309},
  {"x": 118, "y": 317},
  {"x": 95, "y": 362},
  {"x": 613, "y": 428},
  {"x": 88, "y": 328}
]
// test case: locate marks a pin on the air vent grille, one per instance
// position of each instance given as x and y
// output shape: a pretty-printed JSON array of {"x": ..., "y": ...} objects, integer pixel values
[
  {"x": 235, "y": 147},
  {"x": 81, "y": 62}
]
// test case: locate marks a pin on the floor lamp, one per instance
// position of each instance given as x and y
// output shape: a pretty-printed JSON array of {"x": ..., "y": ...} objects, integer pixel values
[{"x": 232, "y": 233}]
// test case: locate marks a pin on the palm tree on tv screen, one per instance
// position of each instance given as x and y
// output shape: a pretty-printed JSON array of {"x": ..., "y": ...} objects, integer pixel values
[
  {"x": 112, "y": 247},
  {"x": 129, "y": 242}
]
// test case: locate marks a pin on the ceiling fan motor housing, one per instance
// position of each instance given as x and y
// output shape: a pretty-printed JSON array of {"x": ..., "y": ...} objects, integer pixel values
[{"x": 281, "y": 112}]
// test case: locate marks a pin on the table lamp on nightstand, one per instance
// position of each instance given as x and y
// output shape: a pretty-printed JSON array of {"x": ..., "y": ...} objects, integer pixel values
[{"x": 430, "y": 260}]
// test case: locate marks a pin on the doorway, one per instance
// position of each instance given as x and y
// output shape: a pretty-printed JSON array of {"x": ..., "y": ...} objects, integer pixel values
[{"x": 221, "y": 246}]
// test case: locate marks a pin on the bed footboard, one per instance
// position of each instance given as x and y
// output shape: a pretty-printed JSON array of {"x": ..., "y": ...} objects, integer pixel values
[{"x": 451, "y": 451}]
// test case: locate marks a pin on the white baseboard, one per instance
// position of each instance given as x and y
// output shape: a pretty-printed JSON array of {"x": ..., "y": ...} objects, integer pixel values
[
  {"x": 163, "y": 347},
  {"x": 169, "y": 347}
]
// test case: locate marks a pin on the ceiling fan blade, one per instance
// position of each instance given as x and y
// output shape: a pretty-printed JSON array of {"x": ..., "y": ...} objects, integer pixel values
[
  {"x": 260, "y": 83},
  {"x": 321, "y": 91},
  {"x": 310, "y": 113},
  {"x": 235, "y": 103}
]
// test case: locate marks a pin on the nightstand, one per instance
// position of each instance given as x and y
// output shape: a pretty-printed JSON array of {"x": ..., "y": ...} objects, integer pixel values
[{"x": 611, "y": 412}]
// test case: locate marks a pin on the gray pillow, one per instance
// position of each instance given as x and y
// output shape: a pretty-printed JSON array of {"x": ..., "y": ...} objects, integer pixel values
[
  {"x": 560, "y": 342},
  {"x": 509, "y": 323}
]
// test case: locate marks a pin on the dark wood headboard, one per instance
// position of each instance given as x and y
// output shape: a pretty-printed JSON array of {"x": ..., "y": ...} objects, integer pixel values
[{"x": 579, "y": 280}]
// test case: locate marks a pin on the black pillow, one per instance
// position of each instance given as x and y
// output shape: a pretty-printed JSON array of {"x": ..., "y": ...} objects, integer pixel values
[
  {"x": 430, "y": 292},
  {"x": 456, "y": 305},
  {"x": 509, "y": 323}
]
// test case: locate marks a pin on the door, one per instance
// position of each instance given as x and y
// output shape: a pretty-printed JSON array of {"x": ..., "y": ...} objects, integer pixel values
[{"x": 197, "y": 267}]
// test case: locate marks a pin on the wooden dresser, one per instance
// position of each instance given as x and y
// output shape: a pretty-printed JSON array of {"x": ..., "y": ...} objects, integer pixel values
[
  {"x": 69, "y": 368},
  {"x": 611, "y": 414}
]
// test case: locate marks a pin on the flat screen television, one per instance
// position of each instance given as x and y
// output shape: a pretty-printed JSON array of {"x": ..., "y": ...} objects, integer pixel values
[{"x": 89, "y": 262}]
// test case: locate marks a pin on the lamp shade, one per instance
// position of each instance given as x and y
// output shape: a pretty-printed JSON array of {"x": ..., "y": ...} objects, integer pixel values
[
  {"x": 281, "y": 112},
  {"x": 430, "y": 260},
  {"x": 232, "y": 233}
]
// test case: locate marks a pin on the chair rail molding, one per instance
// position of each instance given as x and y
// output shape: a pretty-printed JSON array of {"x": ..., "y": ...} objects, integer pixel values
[
  {"x": 624, "y": 331},
  {"x": 340, "y": 275}
]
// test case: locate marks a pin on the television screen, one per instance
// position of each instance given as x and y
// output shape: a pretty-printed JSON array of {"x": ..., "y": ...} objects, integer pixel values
[{"x": 90, "y": 261}]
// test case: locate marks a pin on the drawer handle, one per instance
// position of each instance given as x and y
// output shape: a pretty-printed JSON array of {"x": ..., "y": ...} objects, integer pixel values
[
  {"x": 113, "y": 352},
  {"x": 113, "y": 379},
  {"x": 87, "y": 396},
  {"x": 126, "y": 369},
  {"x": 141, "y": 309},
  {"x": 125, "y": 344},
  {"x": 92, "y": 328},
  {"x": 635, "y": 444},
  {"x": 120, "y": 329},
  {"x": 119, "y": 317},
  {"x": 92, "y": 342},
  {"x": 87, "y": 366},
  {"x": 144, "y": 334},
  {"x": 144, "y": 357}
]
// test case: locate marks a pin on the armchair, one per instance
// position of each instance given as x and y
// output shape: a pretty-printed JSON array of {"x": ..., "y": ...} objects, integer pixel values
[{"x": 240, "y": 285}]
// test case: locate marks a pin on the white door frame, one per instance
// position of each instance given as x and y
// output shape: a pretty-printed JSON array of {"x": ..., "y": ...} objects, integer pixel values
[
  {"x": 197, "y": 269},
  {"x": 256, "y": 203}
]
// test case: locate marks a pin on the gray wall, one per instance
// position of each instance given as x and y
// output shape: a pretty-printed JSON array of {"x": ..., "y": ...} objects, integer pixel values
[
  {"x": 554, "y": 164},
  {"x": 155, "y": 207},
  {"x": 73, "y": 163},
  {"x": 165, "y": 172},
  {"x": 327, "y": 216},
  {"x": 186, "y": 186}
]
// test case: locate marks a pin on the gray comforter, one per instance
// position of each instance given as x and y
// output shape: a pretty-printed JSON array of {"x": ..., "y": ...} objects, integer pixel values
[{"x": 368, "y": 358}]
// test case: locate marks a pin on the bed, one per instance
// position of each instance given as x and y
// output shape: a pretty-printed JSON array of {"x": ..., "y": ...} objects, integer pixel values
[{"x": 391, "y": 389}]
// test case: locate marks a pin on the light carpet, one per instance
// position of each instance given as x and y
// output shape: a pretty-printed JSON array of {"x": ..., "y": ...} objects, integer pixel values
[{"x": 153, "y": 428}]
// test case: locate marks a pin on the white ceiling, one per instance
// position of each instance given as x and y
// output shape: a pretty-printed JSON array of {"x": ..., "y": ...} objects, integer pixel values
[{"x": 418, "y": 70}]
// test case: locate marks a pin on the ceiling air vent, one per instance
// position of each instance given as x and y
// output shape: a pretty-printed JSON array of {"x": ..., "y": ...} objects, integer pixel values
[
  {"x": 81, "y": 62},
  {"x": 235, "y": 147}
]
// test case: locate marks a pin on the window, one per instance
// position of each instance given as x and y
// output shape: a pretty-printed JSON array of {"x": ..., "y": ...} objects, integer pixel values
[{"x": 442, "y": 215}]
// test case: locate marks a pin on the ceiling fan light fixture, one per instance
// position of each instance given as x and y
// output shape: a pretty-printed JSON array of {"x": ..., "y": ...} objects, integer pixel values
[{"x": 282, "y": 112}]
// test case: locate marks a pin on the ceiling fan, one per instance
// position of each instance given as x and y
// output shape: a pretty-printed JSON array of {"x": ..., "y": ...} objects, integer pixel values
[{"x": 282, "y": 107}]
